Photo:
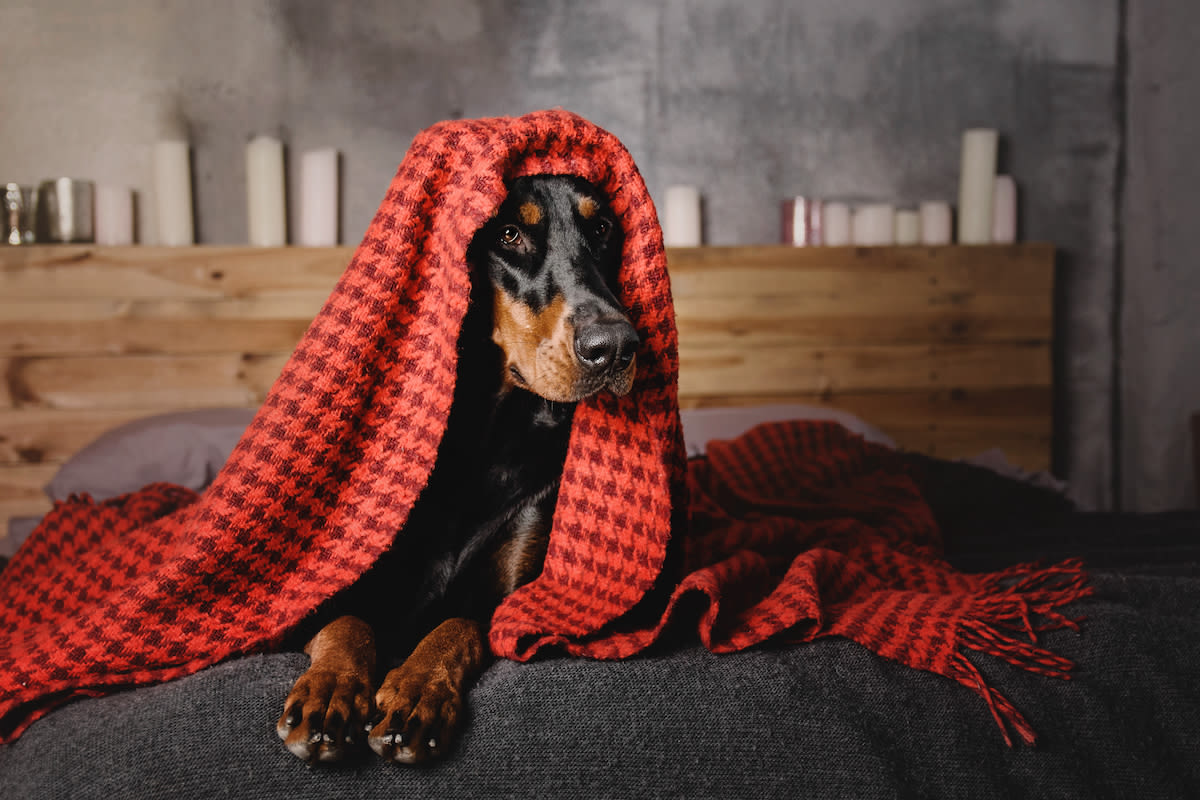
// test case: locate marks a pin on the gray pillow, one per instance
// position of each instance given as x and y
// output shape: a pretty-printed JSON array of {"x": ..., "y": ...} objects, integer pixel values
[{"x": 186, "y": 448}]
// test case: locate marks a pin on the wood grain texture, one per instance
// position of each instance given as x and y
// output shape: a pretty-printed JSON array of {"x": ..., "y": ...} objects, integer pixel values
[{"x": 946, "y": 349}]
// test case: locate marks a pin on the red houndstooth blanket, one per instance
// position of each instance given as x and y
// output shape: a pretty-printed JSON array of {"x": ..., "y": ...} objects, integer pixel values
[{"x": 796, "y": 531}]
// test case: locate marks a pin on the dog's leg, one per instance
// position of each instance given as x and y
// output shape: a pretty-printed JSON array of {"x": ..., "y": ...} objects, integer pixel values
[
  {"x": 328, "y": 707},
  {"x": 420, "y": 703}
]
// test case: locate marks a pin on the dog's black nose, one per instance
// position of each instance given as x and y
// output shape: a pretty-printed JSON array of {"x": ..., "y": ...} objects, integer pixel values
[{"x": 601, "y": 345}]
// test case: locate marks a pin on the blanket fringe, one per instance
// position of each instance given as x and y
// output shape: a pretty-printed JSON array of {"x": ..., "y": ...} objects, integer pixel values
[
  {"x": 1003, "y": 711},
  {"x": 1018, "y": 603}
]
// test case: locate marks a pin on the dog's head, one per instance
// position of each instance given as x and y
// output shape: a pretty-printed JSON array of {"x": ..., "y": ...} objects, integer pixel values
[{"x": 551, "y": 254}]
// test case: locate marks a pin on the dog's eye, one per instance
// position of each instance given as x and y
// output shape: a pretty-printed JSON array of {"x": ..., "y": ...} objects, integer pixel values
[
  {"x": 510, "y": 235},
  {"x": 603, "y": 228}
]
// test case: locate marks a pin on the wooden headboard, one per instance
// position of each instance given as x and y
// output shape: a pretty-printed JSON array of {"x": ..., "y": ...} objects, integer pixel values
[{"x": 946, "y": 349}]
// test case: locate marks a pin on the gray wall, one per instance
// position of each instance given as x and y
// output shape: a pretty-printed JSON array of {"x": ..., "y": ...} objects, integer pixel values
[
  {"x": 750, "y": 99},
  {"x": 1159, "y": 313}
]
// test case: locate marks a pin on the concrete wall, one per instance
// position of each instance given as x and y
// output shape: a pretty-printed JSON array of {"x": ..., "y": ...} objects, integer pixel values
[
  {"x": 1159, "y": 353},
  {"x": 751, "y": 99}
]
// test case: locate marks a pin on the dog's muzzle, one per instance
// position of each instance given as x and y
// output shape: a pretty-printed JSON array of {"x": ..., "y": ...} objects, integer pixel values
[{"x": 607, "y": 350}]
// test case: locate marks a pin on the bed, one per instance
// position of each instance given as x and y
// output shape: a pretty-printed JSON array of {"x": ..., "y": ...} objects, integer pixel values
[{"x": 128, "y": 365}]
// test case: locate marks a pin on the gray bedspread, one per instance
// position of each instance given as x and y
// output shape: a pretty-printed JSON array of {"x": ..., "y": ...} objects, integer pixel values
[{"x": 821, "y": 720}]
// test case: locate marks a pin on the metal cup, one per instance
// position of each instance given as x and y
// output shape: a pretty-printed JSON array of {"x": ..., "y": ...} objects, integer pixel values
[
  {"x": 20, "y": 213},
  {"x": 65, "y": 211}
]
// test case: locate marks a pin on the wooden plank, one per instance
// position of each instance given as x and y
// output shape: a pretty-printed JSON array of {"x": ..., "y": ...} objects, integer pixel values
[
  {"x": 814, "y": 369},
  {"x": 21, "y": 493},
  {"x": 727, "y": 322},
  {"x": 192, "y": 330},
  {"x": 1031, "y": 308},
  {"x": 124, "y": 273},
  {"x": 292, "y": 305},
  {"x": 990, "y": 408},
  {"x": 240, "y": 379},
  {"x": 776, "y": 295},
  {"x": 997, "y": 269},
  {"x": 143, "y": 381},
  {"x": 45, "y": 435},
  {"x": 150, "y": 336},
  {"x": 35, "y": 435}
]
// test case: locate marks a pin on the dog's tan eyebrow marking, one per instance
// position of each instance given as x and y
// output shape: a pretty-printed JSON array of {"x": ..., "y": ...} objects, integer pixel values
[
  {"x": 531, "y": 213},
  {"x": 588, "y": 207}
]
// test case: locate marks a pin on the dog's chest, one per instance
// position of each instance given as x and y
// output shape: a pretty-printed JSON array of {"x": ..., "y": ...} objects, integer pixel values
[{"x": 489, "y": 479}]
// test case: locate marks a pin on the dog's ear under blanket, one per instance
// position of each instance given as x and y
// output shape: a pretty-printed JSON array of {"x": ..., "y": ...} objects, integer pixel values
[{"x": 117, "y": 594}]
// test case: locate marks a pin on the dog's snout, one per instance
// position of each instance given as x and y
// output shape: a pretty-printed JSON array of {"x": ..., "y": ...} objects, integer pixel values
[{"x": 606, "y": 344}]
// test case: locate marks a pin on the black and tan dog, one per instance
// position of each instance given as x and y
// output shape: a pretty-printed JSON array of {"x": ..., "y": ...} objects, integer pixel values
[{"x": 544, "y": 329}]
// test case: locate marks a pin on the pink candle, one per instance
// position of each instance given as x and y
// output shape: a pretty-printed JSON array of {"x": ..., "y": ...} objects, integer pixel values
[{"x": 1004, "y": 210}]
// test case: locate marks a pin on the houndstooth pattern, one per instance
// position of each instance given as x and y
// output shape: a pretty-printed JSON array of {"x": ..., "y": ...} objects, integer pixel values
[
  {"x": 802, "y": 530},
  {"x": 795, "y": 531},
  {"x": 117, "y": 594}
]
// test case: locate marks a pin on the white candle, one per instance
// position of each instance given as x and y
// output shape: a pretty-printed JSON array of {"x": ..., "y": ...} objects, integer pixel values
[
  {"x": 976, "y": 185},
  {"x": 114, "y": 215},
  {"x": 1004, "y": 210},
  {"x": 682, "y": 227},
  {"x": 874, "y": 224},
  {"x": 318, "y": 198},
  {"x": 173, "y": 193},
  {"x": 265, "y": 205},
  {"x": 908, "y": 227},
  {"x": 836, "y": 220},
  {"x": 936, "y": 223}
]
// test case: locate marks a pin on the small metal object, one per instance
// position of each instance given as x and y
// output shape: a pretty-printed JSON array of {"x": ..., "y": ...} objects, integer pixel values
[
  {"x": 802, "y": 221},
  {"x": 20, "y": 213},
  {"x": 65, "y": 211}
]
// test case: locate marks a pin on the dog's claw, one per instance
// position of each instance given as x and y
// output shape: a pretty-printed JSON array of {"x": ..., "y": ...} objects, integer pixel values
[
  {"x": 421, "y": 715},
  {"x": 322, "y": 713},
  {"x": 294, "y": 714}
]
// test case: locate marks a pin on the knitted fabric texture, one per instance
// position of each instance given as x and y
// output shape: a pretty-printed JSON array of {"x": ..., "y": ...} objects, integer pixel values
[
  {"x": 797, "y": 531},
  {"x": 116, "y": 594}
]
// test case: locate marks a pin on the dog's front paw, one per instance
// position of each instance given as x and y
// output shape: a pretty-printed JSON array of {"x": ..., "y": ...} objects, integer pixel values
[
  {"x": 325, "y": 715},
  {"x": 418, "y": 710}
]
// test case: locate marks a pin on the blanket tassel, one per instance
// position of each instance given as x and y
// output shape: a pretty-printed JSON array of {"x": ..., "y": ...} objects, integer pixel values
[{"x": 1002, "y": 616}]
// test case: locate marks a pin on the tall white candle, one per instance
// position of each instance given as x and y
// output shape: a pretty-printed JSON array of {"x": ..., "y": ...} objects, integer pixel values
[
  {"x": 874, "y": 224},
  {"x": 114, "y": 215},
  {"x": 173, "y": 193},
  {"x": 937, "y": 223},
  {"x": 266, "y": 208},
  {"x": 318, "y": 198},
  {"x": 908, "y": 227},
  {"x": 976, "y": 185},
  {"x": 683, "y": 227},
  {"x": 836, "y": 220},
  {"x": 1004, "y": 210}
]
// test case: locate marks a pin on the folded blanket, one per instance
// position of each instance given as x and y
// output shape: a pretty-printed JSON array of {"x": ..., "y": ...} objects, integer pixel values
[{"x": 797, "y": 532}]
